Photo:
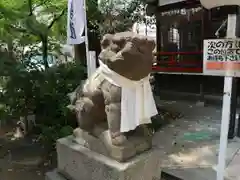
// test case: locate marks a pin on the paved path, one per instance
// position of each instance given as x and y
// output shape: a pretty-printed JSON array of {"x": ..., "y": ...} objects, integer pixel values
[
  {"x": 189, "y": 145},
  {"x": 233, "y": 169}
]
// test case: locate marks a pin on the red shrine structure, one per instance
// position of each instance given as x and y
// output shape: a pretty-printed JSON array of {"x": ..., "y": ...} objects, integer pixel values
[{"x": 182, "y": 25}]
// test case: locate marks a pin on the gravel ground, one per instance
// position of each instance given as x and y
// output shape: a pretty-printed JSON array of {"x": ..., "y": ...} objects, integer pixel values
[{"x": 21, "y": 159}]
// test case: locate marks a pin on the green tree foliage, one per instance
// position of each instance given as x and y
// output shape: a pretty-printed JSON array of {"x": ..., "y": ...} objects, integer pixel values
[
  {"x": 44, "y": 93},
  {"x": 31, "y": 21},
  {"x": 118, "y": 15},
  {"x": 34, "y": 21}
]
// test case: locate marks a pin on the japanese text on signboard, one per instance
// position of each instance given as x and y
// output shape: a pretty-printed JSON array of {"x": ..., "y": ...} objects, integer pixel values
[
  {"x": 223, "y": 50},
  {"x": 222, "y": 57}
]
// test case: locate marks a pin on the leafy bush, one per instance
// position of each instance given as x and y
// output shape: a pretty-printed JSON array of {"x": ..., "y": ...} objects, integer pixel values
[{"x": 43, "y": 93}]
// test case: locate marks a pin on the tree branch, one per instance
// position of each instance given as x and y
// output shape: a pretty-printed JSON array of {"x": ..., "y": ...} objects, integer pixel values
[
  {"x": 19, "y": 29},
  {"x": 30, "y": 6},
  {"x": 56, "y": 18},
  {"x": 22, "y": 30},
  {"x": 40, "y": 4}
]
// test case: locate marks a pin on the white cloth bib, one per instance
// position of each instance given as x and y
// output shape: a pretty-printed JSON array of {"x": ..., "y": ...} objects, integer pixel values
[{"x": 137, "y": 102}]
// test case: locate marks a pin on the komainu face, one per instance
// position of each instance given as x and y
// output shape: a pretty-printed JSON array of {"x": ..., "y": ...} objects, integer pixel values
[{"x": 128, "y": 54}]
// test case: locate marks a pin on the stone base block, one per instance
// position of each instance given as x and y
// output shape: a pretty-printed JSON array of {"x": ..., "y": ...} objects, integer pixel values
[
  {"x": 54, "y": 175},
  {"x": 77, "y": 162},
  {"x": 101, "y": 143}
]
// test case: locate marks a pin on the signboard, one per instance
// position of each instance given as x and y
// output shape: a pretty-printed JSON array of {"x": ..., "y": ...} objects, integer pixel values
[
  {"x": 208, "y": 4},
  {"x": 222, "y": 57},
  {"x": 182, "y": 11}
]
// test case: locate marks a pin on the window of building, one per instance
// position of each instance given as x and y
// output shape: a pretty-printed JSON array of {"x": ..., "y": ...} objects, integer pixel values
[{"x": 181, "y": 37}]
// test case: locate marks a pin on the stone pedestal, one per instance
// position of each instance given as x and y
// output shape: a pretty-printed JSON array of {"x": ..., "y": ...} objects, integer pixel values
[
  {"x": 76, "y": 162},
  {"x": 101, "y": 143}
]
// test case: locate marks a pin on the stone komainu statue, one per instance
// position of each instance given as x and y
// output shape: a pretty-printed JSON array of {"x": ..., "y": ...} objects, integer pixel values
[{"x": 125, "y": 61}]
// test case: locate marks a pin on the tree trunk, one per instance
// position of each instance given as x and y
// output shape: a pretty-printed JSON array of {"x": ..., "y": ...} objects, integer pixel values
[
  {"x": 10, "y": 50},
  {"x": 45, "y": 51}
]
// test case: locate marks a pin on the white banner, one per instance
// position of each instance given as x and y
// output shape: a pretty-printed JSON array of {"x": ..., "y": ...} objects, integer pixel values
[{"x": 75, "y": 26}]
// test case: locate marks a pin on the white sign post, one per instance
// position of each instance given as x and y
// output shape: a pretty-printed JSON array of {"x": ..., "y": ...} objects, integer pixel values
[
  {"x": 225, "y": 63},
  {"x": 231, "y": 33},
  {"x": 222, "y": 58}
]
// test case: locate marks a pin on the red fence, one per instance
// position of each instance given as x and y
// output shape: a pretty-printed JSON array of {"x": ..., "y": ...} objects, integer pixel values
[{"x": 187, "y": 62}]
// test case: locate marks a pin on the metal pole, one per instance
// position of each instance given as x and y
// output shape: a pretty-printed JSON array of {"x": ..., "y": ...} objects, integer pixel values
[
  {"x": 228, "y": 81},
  {"x": 86, "y": 38},
  {"x": 238, "y": 128},
  {"x": 237, "y": 88},
  {"x": 233, "y": 110},
  {"x": 234, "y": 102}
]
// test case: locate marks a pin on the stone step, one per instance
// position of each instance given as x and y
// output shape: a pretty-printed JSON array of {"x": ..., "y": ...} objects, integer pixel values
[
  {"x": 166, "y": 176},
  {"x": 54, "y": 175}
]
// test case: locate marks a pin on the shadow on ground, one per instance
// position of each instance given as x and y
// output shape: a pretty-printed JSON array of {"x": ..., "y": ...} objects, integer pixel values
[{"x": 22, "y": 159}]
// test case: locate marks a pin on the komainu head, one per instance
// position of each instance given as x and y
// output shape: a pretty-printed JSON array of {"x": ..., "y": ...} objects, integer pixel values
[{"x": 128, "y": 54}]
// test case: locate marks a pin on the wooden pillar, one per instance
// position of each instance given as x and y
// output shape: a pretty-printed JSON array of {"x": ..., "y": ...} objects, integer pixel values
[
  {"x": 158, "y": 36},
  {"x": 80, "y": 54},
  {"x": 205, "y": 35}
]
